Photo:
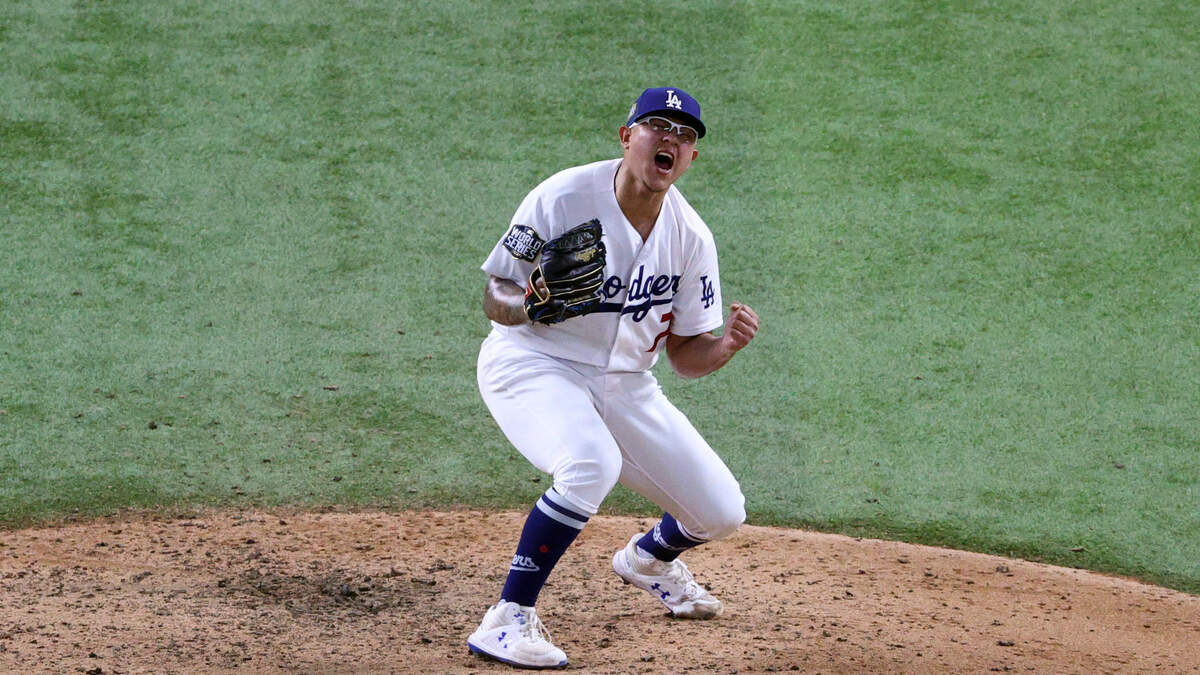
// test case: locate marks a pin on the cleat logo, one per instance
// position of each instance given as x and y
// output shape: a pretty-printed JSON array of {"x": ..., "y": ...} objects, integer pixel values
[
  {"x": 661, "y": 593},
  {"x": 523, "y": 563}
]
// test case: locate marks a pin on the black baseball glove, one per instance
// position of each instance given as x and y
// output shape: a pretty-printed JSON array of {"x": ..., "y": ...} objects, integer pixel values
[{"x": 572, "y": 267}]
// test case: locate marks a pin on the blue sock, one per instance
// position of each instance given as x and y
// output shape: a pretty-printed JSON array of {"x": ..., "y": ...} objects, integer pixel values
[
  {"x": 549, "y": 530},
  {"x": 667, "y": 540}
]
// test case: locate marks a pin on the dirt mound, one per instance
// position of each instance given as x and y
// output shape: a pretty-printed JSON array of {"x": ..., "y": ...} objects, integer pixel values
[{"x": 399, "y": 592}]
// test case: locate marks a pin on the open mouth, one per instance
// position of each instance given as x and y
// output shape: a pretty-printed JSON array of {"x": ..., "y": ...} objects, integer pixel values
[{"x": 664, "y": 161}]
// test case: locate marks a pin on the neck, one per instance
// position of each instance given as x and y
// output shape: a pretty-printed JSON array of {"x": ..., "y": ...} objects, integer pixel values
[{"x": 639, "y": 204}]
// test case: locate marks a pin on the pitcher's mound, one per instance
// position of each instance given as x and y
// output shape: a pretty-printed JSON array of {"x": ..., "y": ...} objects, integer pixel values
[{"x": 399, "y": 592}]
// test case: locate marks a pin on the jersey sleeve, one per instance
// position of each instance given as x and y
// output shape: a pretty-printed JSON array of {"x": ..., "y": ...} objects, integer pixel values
[
  {"x": 696, "y": 307},
  {"x": 513, "y": 256}
]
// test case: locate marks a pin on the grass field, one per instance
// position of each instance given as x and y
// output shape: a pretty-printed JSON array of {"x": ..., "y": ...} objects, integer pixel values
[{"x": 241, "y": 247}]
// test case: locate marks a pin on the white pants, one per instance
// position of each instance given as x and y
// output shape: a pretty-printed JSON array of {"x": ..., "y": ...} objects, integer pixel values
[{"x": 590, "y": 429}]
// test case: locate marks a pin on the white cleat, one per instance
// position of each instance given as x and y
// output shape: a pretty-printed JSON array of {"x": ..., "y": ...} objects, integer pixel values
[
  {"x": 670, "y": 582},
  {"x": 515, "y": 635}
]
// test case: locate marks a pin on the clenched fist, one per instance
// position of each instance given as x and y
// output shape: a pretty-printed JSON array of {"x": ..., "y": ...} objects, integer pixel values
[{"x": 740, "y": 328}]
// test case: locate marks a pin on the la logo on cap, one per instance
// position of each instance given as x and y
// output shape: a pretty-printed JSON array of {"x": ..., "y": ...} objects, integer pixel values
[{"x": 674, "y": 101}]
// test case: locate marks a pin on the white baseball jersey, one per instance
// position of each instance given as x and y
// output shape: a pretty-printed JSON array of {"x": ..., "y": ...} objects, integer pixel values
[{"x": 668, "y": 283}]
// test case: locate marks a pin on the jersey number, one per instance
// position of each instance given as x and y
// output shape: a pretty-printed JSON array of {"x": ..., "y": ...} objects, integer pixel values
[{"x": 666, "y": 319}]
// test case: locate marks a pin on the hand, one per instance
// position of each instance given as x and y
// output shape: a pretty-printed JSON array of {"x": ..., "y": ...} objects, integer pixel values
[{"x": 740, "y": 328}]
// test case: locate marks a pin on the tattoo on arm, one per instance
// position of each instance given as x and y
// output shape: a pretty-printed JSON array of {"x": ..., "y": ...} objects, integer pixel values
[{"x": 504, "y": 302}]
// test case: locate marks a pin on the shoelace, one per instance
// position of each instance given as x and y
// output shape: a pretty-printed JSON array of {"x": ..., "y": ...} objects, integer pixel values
[
  {"x": 533, "y": 628},
  {"x": 681, "y": 575}
]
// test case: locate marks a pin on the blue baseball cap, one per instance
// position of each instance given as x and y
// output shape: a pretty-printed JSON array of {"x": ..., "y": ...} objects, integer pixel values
[{"x": 670, "y": 101}]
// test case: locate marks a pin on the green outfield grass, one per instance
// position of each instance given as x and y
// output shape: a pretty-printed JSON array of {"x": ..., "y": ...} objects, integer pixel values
[{"x": 241, "y": 248}]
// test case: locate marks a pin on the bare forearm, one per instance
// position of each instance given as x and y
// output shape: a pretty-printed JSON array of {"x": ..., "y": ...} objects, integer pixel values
[
  {"x": 699, "y": 355},
  {"x": 504, "y": 302}
]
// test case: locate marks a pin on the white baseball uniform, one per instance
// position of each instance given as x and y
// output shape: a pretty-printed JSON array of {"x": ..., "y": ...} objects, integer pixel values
[{"x": 577, "y": 398}]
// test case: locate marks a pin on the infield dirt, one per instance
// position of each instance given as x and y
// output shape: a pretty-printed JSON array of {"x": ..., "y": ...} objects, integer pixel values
[{"x": 398, "y": 592}]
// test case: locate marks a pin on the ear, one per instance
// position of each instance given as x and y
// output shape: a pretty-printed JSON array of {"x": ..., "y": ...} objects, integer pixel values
[
  {"x": 695, "y": 154},
  {"x": 624, "y": 133}
]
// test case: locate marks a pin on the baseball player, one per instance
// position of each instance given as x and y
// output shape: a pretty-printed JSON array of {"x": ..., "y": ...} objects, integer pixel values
[{"x": 602, "y": 268}]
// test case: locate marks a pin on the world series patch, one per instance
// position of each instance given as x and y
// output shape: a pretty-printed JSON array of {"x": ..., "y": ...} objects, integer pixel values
[{"x": 523, "y": 242}]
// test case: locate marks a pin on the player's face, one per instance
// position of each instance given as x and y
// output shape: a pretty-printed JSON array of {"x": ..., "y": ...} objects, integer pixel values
[{"x": 656, "y": 153}]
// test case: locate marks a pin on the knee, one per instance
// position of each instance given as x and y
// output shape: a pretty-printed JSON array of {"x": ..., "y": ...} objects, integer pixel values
[
  {"x": 721, "y": 517},
  {"x": 586, "y": 478},
  {"x": 727, "y": 519}
]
